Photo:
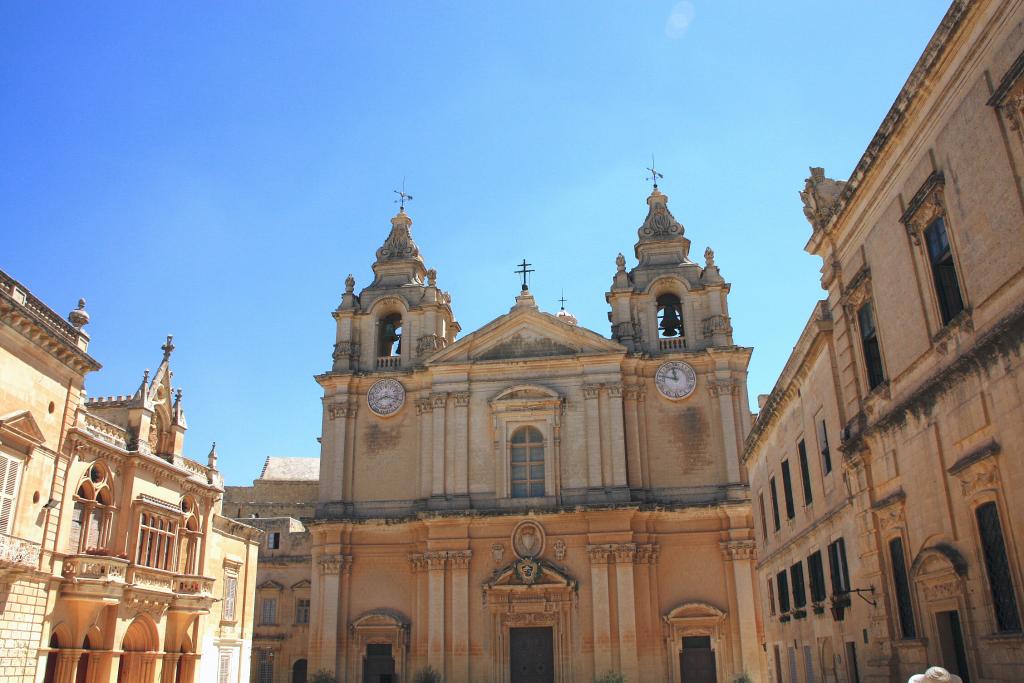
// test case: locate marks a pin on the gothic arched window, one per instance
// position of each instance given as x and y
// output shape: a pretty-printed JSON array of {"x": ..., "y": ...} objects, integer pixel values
[
  {"x": 527, "y": 459},
  {"x": 389, "y": 336},
  {"x": 93, "y": 512},
  {"x": 190, "y": 533},
  {"x": 670, "y": 316}
]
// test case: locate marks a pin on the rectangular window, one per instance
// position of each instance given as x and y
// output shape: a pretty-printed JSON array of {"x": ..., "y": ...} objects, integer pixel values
[
  {"x": 230, "y": 588},
  {"x": 817, "y": 576},
  {"x": 224, "y": 667},
  {"x": 1004, "y": 600},
  {"x": 302, "y": 611},
  {"x": 268, "y": 616},
  {"x": 764, "y": 519},
  {"x": 796, "y": 575},
  {"x": 157, "y": 538},
  {"x": 805, "y": 473},
  {"x": 782, "y": 583},
  {"x": 775, "y": 504},
  {"x": 264, "y": 667},
  {"x": 826, "y": 455},
  {"x": 869, "y": 342},
  {"x": 902, "y": 585},
  {"x": 947, "y": 286},
  {"x": 771, "y": 597},
  {"x": 808, "y": 664},
  {"x": 787, "y": 489},
  {"x": 837, "y": 566},
  {"x": 274, "y": 540},
  {"x": 9, "y": 471}
]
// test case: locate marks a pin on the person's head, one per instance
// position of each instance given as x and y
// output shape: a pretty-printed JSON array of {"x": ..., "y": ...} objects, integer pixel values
[{"x": 935, "y": 674}]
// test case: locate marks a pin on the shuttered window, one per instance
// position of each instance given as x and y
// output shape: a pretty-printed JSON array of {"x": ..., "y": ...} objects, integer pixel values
[
  {"x": 782, "y": 583},
  {"x": 901, "y": 582},
  {"x": 805, "y": 473},
  {"x": 230, "y": 588},
  {"x": 268, "y": 616},
  {"x": 998, "y": 566},
  {"x": 817, "y": 575},
  {"x": 10, "y": 471},
  {"x": 224, "y": 667}
]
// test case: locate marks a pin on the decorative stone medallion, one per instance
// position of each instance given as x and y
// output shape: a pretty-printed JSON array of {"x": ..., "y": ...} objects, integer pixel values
[
  {"x": 675, "y": 380},
  {"x": 528, "y": 539},
  {"x": 386, "y": 397}
]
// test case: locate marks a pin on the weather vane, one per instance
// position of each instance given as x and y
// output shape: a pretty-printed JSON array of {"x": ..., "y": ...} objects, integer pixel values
[
  {"x": 655, "y": 176},
  {"x": 403, "y": 197},
  {"x": 524, "y": 268}
]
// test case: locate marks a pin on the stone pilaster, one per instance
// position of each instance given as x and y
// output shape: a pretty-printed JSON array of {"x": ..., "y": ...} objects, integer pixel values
[
  {"x": 439, "y": 401},
  {"x": 424, "y": 408},
  {"x": 625, "y": 591},
  {"x": 593, "y": 431},
  {"x": 634, "y": 476},
  {"x": 435, "y": 562},
  {"x": 323, "y": 631},
  {"x": 724, "y": 390},
  {"x": 460, "y": 450},
  {"x": 741, "y": 555},
  {"x": 618, "y": 435},
  {"x": 459, "y": 560},
  {"x": 599, "y": 558}
]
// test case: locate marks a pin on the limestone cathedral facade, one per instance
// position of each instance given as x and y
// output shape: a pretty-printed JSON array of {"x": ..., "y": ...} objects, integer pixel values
[{"x": 533, "y": 501}]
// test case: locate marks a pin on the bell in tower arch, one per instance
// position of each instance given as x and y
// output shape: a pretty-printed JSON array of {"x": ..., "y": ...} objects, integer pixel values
[{"x": 670, "y": 324}]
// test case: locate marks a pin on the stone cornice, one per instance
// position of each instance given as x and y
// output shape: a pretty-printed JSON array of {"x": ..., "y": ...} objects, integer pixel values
[{"x": 39, "y": 324}]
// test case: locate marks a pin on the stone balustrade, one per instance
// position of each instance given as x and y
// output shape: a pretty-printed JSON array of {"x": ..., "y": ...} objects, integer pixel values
[
  {"x": 186, "y": 584},
  {"x": 18, "y": 553},
  {"x": 97, "y": 567},
  {"x": 671, "y": 344},
  {"x": 151, "y": 579}
]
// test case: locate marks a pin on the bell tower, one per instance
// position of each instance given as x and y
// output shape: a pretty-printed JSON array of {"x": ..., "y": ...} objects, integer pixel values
[
  {"x": 401, "y": 317},
  {"x": 667, "y": 303}
]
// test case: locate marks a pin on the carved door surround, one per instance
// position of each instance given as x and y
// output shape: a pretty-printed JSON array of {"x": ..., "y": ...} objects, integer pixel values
[
  {"x": 379, "y": 626},
  {"x": 694, "y": 619},
  {"x": 527, "y": 405},
  {"x": 939, "y": 574},
  {"x": 530, "y": 593}
]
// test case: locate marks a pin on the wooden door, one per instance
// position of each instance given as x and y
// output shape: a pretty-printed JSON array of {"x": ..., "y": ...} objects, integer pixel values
[{"x": 531, "y": 655}]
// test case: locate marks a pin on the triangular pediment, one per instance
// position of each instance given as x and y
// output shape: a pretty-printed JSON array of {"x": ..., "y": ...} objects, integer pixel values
[
  {"x": 529, "y": 573},
  {"x": 525, "y": 333},
  {"x": 21, "y": 428}
]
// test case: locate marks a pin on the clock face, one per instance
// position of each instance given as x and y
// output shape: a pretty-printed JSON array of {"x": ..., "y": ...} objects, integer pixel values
[
  {"x": 386, "y": 397},
  {"x": 675, "y": 380}
]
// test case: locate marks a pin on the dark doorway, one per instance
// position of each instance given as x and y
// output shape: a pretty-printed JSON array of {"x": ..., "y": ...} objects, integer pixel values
[
  {"x": 951, "y": 644},
  {"x": 697, "y": 660},
  {"x": 532, "y": 655},
  {"x": 299, "y": 671},
  {"x": 379, "y": 664},
  {"x": 851, "y": 662}
]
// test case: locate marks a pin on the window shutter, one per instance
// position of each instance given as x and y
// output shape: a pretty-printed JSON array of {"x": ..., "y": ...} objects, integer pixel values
[
  {"x": 230, "y": 583},
  {"x": 224, "y": 669},
  {"x": 9, "y": 470}
]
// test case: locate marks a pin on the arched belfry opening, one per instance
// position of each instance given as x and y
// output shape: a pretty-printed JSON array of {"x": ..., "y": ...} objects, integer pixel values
[
  {"x": 389, "y": 336},
  {"x": 670, "y": 316}
]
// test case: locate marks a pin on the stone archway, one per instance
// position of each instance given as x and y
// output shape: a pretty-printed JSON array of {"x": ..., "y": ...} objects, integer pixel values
[
  {"x": 138, "y": 652},
  {"x": 378, "y": 635},
  {"x": 938, "y": 574}
]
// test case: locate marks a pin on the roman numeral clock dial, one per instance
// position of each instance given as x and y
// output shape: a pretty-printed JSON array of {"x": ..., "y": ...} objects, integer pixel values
[{"x": 675, "y": 380}]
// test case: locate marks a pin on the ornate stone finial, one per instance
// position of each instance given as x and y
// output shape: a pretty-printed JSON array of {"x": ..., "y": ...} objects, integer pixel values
[
  {"x": 168, "y": 347},
  {"x": 709, "y": 257},
  {"x": 145, "y": 383},
  {"x": 211, "y": 459},
  {"x": 79, "y": 317},
  {"x": 432, "y": 277},
  {"x": 660, "y": 224},
  {"x": 177, "y": 397},
  {"x": 399, "y": 244},
  {"x": 350, "y": 284},
  {"x": 620, "y": 262}
]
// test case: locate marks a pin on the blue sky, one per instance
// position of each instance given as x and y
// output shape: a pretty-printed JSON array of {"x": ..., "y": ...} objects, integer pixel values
[{"x": 215, "y": 170}]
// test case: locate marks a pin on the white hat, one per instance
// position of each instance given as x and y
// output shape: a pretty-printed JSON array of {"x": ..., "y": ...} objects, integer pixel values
[{"x": 936, "y": 674}]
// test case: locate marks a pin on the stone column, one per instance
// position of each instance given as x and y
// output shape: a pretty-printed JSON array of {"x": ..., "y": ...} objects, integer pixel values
[
  {"x": 724, "y": 390},
  {"x": 343, "y": 610},
  {"x": 592, "y": 432},
  {"x": 67, "y": 666},
  {"x": 634, "y": 477},
  {"x": 625, "y": 554},
  {"x": 323, "y": 627},
  {"x": 618, "y": 435},
  {"x": 599, "y": 556},
  {"x": 424, "y": 408},
  {"x": 438, "y": 432},
  {"x": 460, "y": 615},
  {"x": 460, "y": 451},
  {"x": 435, "y": 621},
  {"x": 740, "y": 555}
]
